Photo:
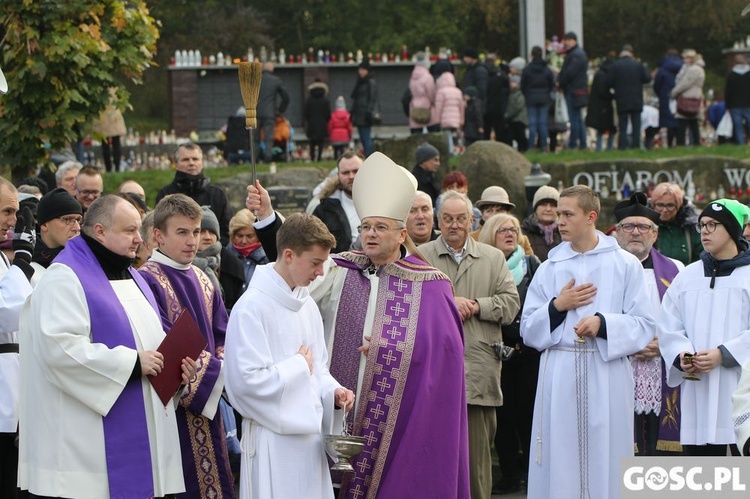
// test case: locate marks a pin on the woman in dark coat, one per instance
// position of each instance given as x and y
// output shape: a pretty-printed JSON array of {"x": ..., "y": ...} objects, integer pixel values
[
  {"x": 317, "y": 114},
  {"x": 537, "y": 83},
  {"x": 663, "y": 84},
  {"x": 600, "y": 115},
  {"x": 365, "y": 105}
]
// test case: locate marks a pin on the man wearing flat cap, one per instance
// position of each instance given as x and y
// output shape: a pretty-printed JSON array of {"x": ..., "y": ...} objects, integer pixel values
[
  {"x": 704, "y": 329},
  {"x": 657, "y": 414},
  {"x": 394, "y": 337},
  {"x": 495, "y": 200}
]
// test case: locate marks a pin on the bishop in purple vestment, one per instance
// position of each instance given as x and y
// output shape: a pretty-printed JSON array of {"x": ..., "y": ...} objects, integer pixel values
[{"x": 400, "y": 312}]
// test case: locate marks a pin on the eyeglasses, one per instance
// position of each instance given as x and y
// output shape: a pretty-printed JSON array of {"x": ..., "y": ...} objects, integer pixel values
[
  {"x": 89, "y": 193},
  {"x": 70, "y": 220},
  {"x": 504, "y": 230},
  {"x": 460, "y": 220},
  {"x": 665, "y": 206},
  {"x": 709, "y": 226},
  {"x": 642, "y": 228},
  {"x": 379, "y": 229}
]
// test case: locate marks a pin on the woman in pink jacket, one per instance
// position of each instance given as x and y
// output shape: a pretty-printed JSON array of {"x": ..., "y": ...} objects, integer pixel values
[
  {"x": 422, "y": 105},
  {"x": 449, "y": 106}
]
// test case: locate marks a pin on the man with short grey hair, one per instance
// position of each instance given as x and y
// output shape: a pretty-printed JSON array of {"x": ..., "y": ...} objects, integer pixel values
[
  {"x": 66, "y": 174},
  {"x": 420, "y": 223},
  {"x": 486, "y": 297},
  {"x": 190, "y": 180}
]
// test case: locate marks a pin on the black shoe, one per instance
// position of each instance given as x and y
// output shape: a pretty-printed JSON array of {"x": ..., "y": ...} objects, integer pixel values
[{"x": 505, "y": 488}]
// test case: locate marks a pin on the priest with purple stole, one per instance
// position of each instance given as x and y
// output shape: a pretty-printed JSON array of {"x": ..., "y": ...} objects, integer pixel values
[
  {"x": 179, "y": 285},
  {"x": 394, "y": 336},
  {"x": 91, "y": 424},
  {"x": 657, "y": 405}
]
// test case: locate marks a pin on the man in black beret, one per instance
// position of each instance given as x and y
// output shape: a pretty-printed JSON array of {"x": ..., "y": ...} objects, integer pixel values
[{"x": 657, "y": 423}]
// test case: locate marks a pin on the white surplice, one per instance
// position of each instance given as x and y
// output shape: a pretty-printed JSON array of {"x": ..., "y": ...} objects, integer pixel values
[
  {"x": 286, "y": 409},
  {"x": 695, "y": 317},
  {"x": 621, "y": 298},
  {"x": 14, "y": 288},
  {"x": 69, "y": 383}
]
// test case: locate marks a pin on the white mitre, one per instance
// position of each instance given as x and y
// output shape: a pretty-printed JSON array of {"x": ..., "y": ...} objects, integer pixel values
[{"x": 383, "y": 189}]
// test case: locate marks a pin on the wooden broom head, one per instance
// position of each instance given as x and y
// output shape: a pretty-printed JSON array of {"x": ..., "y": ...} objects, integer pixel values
[{"x": 250, "y": 74}]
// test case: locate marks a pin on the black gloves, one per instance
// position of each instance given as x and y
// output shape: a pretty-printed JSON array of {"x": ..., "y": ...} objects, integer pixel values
[{"x": 23, "y": 241}]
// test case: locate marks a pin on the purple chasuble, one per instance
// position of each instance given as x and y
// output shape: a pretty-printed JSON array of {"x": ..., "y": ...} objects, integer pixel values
[
  {"x": 205, "y": 456},
  {"x": 412, "y": 409},
  {"x": 126, "y": 439},
  {"x": 665, "y": 271}
]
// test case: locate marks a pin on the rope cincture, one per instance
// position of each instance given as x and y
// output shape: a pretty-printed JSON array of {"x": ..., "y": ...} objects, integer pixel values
[{"x": 582, "y": 415}]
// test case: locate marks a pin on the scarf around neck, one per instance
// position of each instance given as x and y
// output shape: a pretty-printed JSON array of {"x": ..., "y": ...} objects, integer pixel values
[
  {"x": 246, "y": 250},
  {"x": 517, "y": 264},
  {"x": 212, "y": 255},
  {"x": 549, "y": 232}
]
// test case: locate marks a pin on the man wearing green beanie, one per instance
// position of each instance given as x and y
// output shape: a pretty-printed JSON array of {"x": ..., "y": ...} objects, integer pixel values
[{"x": 704, "y": 330}]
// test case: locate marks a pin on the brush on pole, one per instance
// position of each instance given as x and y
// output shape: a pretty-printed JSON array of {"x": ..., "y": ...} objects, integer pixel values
[{"x": 250, "y": 74}]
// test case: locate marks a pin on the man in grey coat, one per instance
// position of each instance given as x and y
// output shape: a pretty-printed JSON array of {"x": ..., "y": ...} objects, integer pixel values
[
  {"x": 268, "y": 107},
  {"x": 486, "y": 297}
]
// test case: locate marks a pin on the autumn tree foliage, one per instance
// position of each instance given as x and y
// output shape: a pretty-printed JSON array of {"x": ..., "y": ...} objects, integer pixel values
[{"x": 60, "y": 59}]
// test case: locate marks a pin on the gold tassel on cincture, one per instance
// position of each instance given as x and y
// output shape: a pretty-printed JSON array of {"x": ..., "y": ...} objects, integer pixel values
[{"x": 250, "y": 74}]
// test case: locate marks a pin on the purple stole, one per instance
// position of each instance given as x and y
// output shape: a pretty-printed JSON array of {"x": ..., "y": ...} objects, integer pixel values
[
  {"x": 350, "y": 323},
  {"x": 669, "y": 417},
  {"x": 388, "y": 362},
  {"x": 205, "y": 458},
  {"x": 126, "y": 439}
]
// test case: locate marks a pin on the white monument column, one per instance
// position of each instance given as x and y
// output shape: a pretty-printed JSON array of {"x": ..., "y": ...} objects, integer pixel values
[
  {"x": 534, "y": 24},
  {"x": 574, "y": 18}
]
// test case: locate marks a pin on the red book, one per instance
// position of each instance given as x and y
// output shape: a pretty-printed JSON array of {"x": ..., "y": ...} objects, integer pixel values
[{"x": 183, "y": 340}]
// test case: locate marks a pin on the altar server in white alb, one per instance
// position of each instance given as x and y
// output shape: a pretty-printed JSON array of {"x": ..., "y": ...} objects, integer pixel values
[
  {"x": 275, "y": 371},
  {"x": 586, "y": 310},
  {"x": 706, "y": 313},
  {"x": 91, "y": 424}
]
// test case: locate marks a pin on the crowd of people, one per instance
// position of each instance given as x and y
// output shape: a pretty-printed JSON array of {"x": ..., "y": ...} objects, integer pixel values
[
  {"x": 397, "y": 309},
  {"x": 531, "y": 104}
]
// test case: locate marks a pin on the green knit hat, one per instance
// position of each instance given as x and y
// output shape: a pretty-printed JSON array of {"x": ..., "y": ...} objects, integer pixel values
[{"x": 730, "y": 212}]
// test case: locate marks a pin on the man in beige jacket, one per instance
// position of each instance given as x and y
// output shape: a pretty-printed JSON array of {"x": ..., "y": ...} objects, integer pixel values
[{"x": 486, "y": 297}]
